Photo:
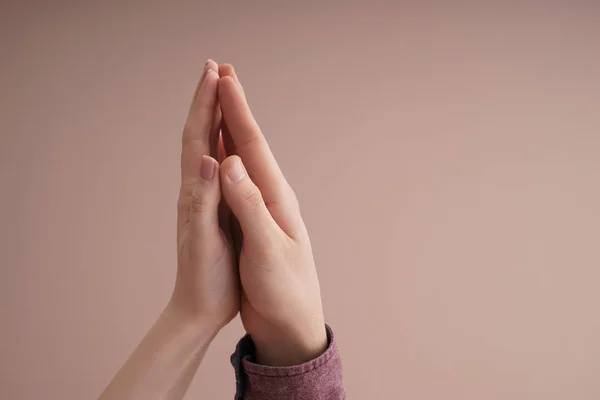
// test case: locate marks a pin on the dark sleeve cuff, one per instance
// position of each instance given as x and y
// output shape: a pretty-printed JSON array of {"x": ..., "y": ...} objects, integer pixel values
[{"x": 320, "y": 378}]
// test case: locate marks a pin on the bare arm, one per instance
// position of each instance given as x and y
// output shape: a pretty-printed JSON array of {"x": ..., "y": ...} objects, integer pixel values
[{"x": 164, "y": 363}]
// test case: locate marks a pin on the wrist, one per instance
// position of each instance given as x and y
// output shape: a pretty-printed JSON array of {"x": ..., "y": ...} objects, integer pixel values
[
  {"x": 287, "y": 349},
  {"x": 202, "y": 327}
]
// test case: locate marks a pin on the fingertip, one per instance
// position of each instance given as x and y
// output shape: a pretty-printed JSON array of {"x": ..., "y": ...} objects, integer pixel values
[
  {"x": 208, "y": 168},
  {"x": 207, "y": 93},
  {"x": 206, "y": 194},
  {"x": 208, "y": 86},
  {"x": 212, "y": 73},
  {"x": 233, "y": 169},
  {"x": 226, "y": 70},
  {"x": 233, "y": 73},
  {"x": 227, "y": 82},
  {"x": 226, "y": 89},
  {"x": 211, "y": 64}
]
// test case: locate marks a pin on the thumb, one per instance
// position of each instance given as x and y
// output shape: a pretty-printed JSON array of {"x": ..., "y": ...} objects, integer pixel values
[
  {"x": 245, "y": 199},
  {"x": 204, "y": 208}
]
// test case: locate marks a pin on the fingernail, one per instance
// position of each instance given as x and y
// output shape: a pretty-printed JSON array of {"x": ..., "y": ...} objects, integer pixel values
[
  {"x": 210, "y": 70},
  {"x": 207, "y": 168},
  {"x": 236, "y": 172}
]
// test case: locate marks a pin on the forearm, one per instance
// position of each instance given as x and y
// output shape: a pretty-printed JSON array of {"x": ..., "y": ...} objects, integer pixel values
[{"x": 164, "y": 363}]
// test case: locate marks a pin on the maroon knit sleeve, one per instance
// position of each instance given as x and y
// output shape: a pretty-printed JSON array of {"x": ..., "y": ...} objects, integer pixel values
[{"x": 318, "y": 379}]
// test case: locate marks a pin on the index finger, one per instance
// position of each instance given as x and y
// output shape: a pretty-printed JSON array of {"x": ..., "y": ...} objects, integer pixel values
[
  {"x": 200, "y": 120},
  {"x": 196, "y": 138},
  {"x": 249, "y": 142}
]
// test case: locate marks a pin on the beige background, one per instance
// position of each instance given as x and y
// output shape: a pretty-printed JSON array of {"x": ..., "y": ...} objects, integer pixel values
[{"x": 446, "y": 158}]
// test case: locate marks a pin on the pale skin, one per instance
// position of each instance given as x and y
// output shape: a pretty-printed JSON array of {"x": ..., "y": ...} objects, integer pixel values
[{"x": 231, "y": 188}]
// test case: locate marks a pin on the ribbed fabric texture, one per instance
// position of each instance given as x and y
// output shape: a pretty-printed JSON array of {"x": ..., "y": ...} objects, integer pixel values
[{"x": 318, "y": 379}]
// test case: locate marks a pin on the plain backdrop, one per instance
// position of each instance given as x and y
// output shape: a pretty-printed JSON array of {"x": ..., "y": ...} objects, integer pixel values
[{"x": 447, "y": 160}]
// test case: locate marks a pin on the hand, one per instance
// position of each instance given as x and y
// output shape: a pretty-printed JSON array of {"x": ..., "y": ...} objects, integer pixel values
[
  {"x": 207, "y": 284},
  {"x": 281, "y": 301}
]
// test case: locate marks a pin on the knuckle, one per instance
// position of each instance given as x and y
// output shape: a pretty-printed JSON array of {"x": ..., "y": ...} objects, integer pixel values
[
  {"x": 253, "y": 197},
  {"x": 187, "y": 188},
  {"x": 200, "y": 202},
  {"x": 185, "y": 194},
  {"x": 193, "y": 142}
]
